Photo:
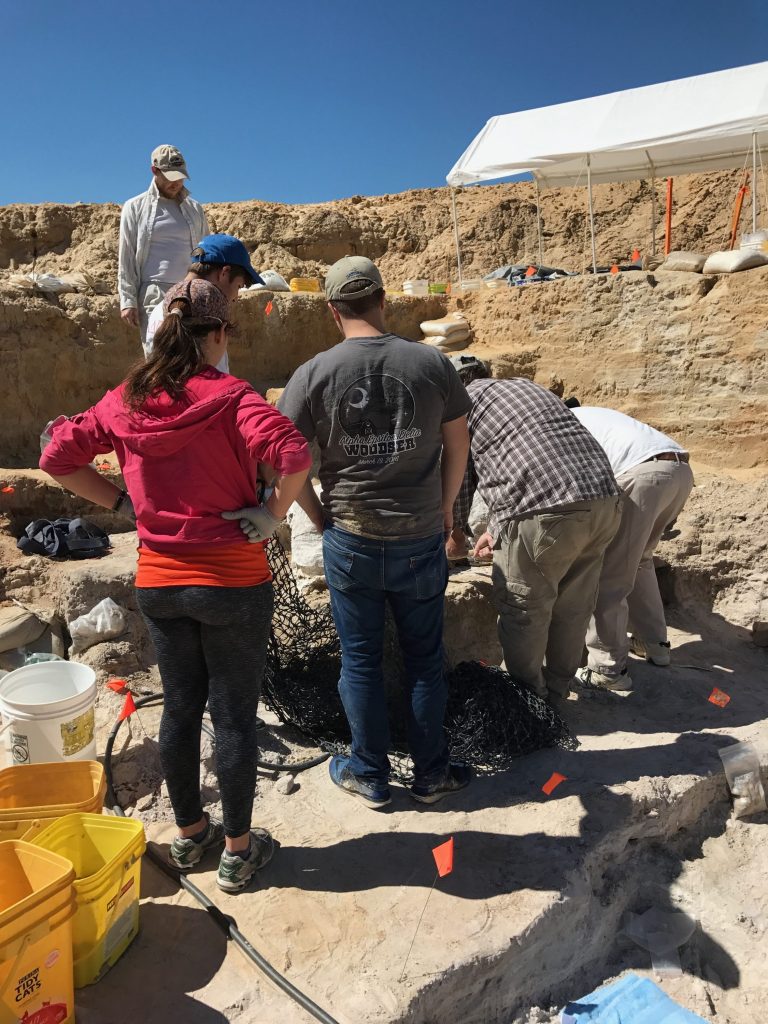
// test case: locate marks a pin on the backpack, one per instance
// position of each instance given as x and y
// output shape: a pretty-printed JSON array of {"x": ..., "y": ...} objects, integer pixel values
[{"x": 64, "y": 538}]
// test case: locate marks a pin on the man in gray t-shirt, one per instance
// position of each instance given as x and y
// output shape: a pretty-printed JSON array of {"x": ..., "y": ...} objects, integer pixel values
[{"x": 390, "y": 418}]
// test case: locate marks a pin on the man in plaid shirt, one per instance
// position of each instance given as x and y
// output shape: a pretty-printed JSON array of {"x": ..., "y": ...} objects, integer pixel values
[{"x": 554, "y": 507}]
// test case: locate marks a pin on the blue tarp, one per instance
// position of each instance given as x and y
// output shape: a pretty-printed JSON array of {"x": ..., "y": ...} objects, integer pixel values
[{"x": 631, "y": 1000}]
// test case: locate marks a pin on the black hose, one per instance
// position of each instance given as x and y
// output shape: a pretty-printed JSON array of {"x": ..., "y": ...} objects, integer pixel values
[
  {"x": 227, "y": 924},
  {"x": 294, "y": 768}
]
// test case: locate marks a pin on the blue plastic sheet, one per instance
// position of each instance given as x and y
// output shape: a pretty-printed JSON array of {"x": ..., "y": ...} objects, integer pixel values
[{"x": 631, "y": 1000}]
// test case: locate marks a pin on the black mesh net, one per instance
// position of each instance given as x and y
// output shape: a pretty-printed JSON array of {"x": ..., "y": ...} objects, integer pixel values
[{"x": 490, "y": 719}]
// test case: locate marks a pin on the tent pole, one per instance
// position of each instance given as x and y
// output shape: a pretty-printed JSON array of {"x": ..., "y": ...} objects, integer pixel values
[
  {"x": 653, "y": 204},
  {"x": 754, "y": 182},
  {"x": 456, "y": 233},
  {"x": 653, "y": 214},
  {"x": 668, "y": 220},
  {"x": 538, "y": 222},
  {"x": 591, "y": 215}
]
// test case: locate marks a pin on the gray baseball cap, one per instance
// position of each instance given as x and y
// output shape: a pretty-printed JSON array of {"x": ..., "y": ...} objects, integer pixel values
[
  {"x": 169, "y": 160},
  {"x": 352, "y": 277}
]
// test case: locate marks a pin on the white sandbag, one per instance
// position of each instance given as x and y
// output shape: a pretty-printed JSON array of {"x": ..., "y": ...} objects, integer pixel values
[
  {"x": 679, "y": 259},
  {"x": 453, "y": 343},
  {"x": 273, "y": 281},
  {"x": 731, "y": 262},
  {"x": 454, "y": 323}
]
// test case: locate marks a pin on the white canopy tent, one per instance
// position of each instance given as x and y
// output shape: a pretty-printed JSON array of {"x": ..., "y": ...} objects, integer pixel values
[{"x": 702, "y": 123}]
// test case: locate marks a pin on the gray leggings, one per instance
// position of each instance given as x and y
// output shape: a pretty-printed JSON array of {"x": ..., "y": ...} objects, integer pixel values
[{"x": 211, "y": 645}]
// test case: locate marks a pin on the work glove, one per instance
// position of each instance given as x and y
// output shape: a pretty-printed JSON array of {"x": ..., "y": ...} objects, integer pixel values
[{"x": 257, "y": 523}]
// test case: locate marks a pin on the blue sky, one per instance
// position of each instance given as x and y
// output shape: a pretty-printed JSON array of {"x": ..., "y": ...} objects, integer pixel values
[{"x": 308, "y": 101}]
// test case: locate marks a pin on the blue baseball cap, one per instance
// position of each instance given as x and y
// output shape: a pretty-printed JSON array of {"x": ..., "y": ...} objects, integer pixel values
[{"x": 225, "y": 250}]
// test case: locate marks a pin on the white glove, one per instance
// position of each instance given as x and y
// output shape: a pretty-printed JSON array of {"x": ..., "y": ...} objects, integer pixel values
[{"x": 257, "y": 523}]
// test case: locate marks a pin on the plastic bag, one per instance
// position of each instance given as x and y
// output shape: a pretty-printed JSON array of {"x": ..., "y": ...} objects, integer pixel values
[
  {"x": 104, "y": 621},
  {"x": 742, "y": 770},
  {"x": 47, "y": 434}
]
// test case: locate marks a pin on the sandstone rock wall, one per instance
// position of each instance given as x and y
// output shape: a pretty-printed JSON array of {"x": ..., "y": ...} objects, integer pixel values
[
  {"x": 410, "y": 234},
  {"x": 685, "y": 353},
  {"x": 59, "y": 355}
]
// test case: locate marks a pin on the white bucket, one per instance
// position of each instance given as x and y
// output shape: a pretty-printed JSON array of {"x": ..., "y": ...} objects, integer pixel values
[{"x": 48, "y": 713}]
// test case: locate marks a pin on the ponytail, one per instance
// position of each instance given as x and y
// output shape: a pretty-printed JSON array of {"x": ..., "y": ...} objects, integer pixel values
[{"x": 177, "y": 355}]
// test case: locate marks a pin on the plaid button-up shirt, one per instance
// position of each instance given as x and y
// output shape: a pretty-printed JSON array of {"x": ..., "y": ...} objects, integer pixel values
[{"x": 529, "y": 453}]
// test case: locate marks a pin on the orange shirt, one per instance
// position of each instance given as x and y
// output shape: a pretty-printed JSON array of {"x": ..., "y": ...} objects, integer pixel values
[{"x": 216, "y": 565}]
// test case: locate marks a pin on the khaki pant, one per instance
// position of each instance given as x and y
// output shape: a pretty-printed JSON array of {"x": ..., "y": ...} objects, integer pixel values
[
  {"x": 628, "y": 597},
  {"x": 545, "y": 575},
  {"x": 150, "y": 294}
]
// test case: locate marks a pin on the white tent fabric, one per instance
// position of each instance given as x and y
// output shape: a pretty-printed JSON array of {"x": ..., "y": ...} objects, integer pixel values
[{"x": 702, "y": 123}]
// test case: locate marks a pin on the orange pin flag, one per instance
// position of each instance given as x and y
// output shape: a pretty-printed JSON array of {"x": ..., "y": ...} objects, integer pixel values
[
  {"x": 268, "y": 308},
  {"x": 104, "y": 465},
  {"x": 552, "y": 782},
  {"x": 718, "y": 697},
  {"x": 128, "y": 708},
  {"x": 8, "y": 489},
  {"x": 635, "y": 255},
  {"x": 614, "y": 269},
  {"x": 530, "y": 271},
  {"x": 443, "y": 855},
  {"x": 117, "y": 685}
]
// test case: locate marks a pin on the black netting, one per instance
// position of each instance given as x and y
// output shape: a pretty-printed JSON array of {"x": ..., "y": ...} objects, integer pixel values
[{"x": 490, "y": 720}]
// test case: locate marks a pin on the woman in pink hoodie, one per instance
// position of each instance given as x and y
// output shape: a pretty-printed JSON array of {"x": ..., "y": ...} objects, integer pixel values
[{"x": 188, "y": 439}]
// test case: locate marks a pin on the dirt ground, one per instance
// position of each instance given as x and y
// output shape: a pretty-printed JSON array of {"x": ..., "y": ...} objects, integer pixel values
[{"x": 531, "y": 916}]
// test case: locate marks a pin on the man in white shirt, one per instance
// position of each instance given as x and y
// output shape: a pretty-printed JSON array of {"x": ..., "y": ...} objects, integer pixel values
[
  {"x": 158, "y": 230},
  {"x": 224, "y": 261},
  {"x": 653, "y": 473}
]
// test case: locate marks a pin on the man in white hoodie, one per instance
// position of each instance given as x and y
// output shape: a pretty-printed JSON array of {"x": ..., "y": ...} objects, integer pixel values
[{"x": 158, "y": 231}]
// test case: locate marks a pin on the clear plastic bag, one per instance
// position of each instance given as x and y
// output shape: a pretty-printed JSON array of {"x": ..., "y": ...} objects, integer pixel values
[
  {"x": 742, "y": 770},
  {"x": 103, "y": 622}
]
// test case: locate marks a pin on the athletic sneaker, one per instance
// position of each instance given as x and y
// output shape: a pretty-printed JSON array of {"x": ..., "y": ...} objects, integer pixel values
[
  {"x": 591, "y": 679},
  {"x": 373, "y": 794},
  {"x": 456, "y": 777},
  {"x": 657, "y": 654},
  {"x": 235, "y": 872},
  {"x": 185, "y": 853}
]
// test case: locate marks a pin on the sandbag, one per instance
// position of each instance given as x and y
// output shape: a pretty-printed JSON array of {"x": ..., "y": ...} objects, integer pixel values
[
  {"x": 454, "y": 323},
  {"x": 679, "y": 259},
  {"x": 732, "y": 262},
  {"x": 273, "y": 281},
  {"x": 18, "y": 627},
  {"x": 451, "y": 343}
]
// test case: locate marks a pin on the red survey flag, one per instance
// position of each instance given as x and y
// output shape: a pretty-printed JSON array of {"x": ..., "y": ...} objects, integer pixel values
[
  {"x": 8, "y": 489},
  {"x": 635, "y": 255},
  {"x": 554, "y": 780},
  {"x": 128, "y": 708},
  {"x": 118, "y": 685},
  {"x": 443, "y": 855},
  {"x": 718, "y": 697},
  {"x": 614, "y": 269},
  {"x": 268, "y": 308}
]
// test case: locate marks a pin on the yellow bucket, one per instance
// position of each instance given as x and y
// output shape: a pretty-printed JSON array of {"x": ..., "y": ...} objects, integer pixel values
[
  {"x": 304, "y": 284},
  {"x": 106, "y": 855},
  {"x": 32, "y": 794},
  {"x": 36, "y": 908}
]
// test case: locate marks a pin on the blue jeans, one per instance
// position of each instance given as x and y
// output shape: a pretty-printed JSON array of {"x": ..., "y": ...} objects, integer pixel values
[{"x": 411, "y": 575}]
